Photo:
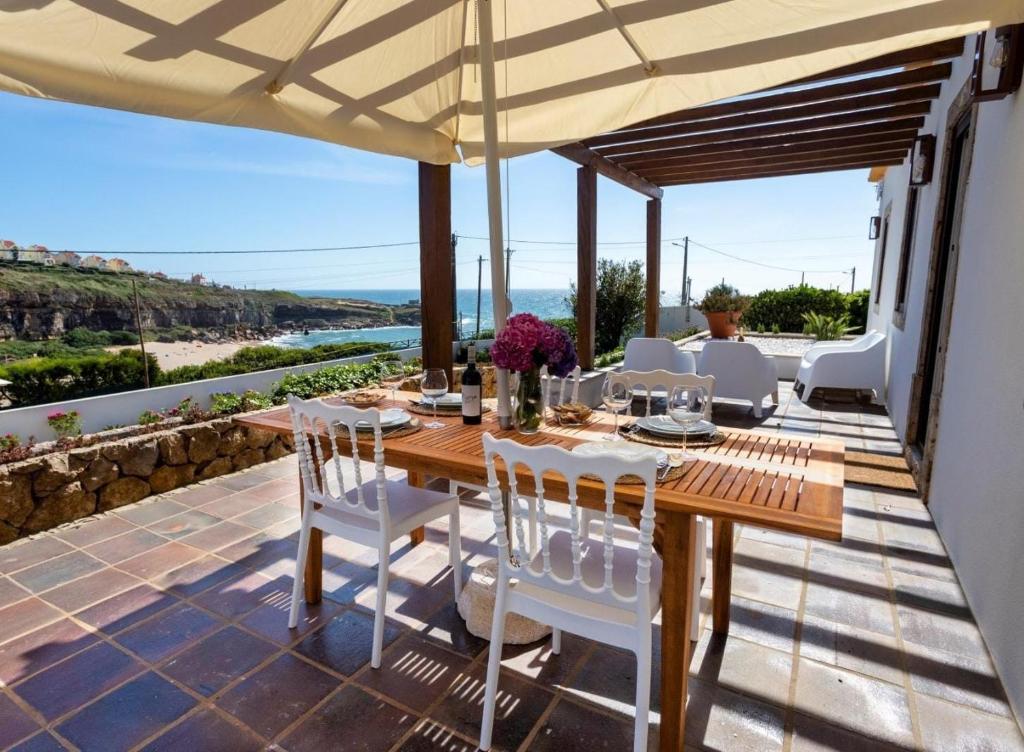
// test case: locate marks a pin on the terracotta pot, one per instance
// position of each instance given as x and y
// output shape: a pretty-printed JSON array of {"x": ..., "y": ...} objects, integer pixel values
[{"x": 723, "y": 323}]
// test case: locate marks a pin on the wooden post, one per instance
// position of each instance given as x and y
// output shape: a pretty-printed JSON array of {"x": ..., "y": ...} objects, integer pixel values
[
  {"x": 721, "y": 554},
  {"x": 586, "y": 265},
  {"x": 653, "y": 267},
  {"x": 436, "y": 294}
]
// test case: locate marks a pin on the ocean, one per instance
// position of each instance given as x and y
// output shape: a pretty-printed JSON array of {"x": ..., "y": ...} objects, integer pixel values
[{"x": 546, "y": 303}]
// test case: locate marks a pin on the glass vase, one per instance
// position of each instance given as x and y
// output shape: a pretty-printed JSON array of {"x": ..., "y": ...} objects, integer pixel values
[{"x": 528, "y": 410}]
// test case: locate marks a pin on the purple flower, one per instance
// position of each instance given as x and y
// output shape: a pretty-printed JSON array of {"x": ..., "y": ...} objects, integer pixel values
[{"x": 526, "y": 342}]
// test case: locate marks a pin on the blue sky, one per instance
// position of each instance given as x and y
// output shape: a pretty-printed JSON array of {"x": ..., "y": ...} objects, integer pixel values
[{"x": 109, "y": 182}]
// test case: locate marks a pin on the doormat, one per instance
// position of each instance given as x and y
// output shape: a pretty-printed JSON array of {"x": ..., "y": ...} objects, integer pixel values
[{"x": 882, "y": 470}]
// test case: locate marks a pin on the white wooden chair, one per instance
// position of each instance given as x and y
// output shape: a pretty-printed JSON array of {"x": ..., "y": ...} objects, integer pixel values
[
  {"x": 602, "y": 591},
  {"x": 649, "y": 382},
  {"x": 570, "y": 386},
  {"x": 374, "y": 513}
]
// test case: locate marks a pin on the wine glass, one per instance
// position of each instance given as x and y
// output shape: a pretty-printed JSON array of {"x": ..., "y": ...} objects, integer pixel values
[
  {"x": 686, "y": 407},
  {"x": 434, "y": 386},
  {"x": 616, "y": 395}
]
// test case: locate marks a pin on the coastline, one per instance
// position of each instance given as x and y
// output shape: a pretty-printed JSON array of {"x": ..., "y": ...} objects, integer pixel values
[{"x": 174, "y": 354}]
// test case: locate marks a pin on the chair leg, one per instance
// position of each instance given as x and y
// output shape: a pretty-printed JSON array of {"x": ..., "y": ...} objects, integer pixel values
[
  {"x": 586, "y": 517},
  {"x": 556, "y": 641},
  {"x": 493, "y": 665},
  {"x": 383, "y": 566},
  {"x": 757, "y": 407},
  {"x": 455, "y": 551},
  {"x": 453, "y": 488},
  {"x": 531, "y": 508},
  {"x": 300, "y": 572},
  {"x": 643, "y": 690},
  {"x": 775, "y": 397}
]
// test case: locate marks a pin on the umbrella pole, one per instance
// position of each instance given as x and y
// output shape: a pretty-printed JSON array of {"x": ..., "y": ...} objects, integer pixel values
[{"x": 493, "y": 173}]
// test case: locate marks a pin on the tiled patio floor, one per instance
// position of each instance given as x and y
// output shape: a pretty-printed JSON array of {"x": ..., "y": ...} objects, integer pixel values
[{"x": 162, "y": 626}]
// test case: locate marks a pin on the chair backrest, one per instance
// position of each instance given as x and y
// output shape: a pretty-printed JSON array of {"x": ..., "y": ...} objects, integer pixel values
[
  {"x": 657, "y": 354},
  {"x": 569, "y": 385},
  {"x": 569, "y": 467},
  {"x": 649, "y": 381},
  {"x": 316, "y": 424},
  {"x": 869, "y": 339},
  {"x": 733, "y": 364}
]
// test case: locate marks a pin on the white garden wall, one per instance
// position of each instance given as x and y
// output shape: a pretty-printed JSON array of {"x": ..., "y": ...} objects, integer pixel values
[{"x": 977, "y": 485}]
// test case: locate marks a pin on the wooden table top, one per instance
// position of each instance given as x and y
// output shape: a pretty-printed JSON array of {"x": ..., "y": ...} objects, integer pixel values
[{"x": 773, "y": 480}]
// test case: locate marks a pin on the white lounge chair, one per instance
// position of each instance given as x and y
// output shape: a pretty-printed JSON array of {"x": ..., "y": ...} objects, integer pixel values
[
  {"x": 858, "y": 364},
  {"x": 657, "y": 354},
  {"x": 741, "y": 371}
]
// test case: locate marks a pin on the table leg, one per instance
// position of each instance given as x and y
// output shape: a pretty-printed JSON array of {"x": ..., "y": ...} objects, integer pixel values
[
  {"x": 315, "y": 558},
  {"x": 722, "y": 575},
  {"x": 679, "y": 537},
  {"x": 418, "y": 535}
]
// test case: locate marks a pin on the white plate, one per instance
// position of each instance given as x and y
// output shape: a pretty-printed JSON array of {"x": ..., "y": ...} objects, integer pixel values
[
  {"x": 451, "y": 399},
  {"x": 663, "y": 425},
  {"x": 624, "y": 449},
  {"x": 390, "y": 418}
]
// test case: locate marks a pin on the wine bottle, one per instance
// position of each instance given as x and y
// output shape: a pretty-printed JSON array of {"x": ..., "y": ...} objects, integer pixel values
[{"x": 471, "y": 384}]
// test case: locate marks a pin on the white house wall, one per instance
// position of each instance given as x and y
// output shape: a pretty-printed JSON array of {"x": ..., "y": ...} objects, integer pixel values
[{"x": 977, "y": 485}]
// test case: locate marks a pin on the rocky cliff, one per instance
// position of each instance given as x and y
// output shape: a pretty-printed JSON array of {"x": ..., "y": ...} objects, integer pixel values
[{"x": 39, "y": 302}]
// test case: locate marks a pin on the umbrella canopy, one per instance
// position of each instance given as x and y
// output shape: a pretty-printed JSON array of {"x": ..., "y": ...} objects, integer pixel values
[{"x": 402, "y": 77}]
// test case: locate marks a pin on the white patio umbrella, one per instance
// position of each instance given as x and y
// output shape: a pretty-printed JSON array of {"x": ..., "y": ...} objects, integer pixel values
[{"x": 416, "y": 78}]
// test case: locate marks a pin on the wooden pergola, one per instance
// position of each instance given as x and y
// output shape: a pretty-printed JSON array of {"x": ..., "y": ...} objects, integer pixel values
[{"x": 860, "y": 116}]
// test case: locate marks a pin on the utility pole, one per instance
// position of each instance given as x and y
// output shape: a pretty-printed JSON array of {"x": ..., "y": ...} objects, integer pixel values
[
  {"x": 801, "y": 279},
  {"x": 142, "y": 342},
  {"x": 684, "y": 298},
  {"x": 479, "y": 290},
  {"x": 508, "y": 270},
  {"x": 853, "y": 280}
]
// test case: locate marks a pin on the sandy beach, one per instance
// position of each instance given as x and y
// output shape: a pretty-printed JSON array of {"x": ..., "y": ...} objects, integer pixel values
[{"x": 173, "y": 354}]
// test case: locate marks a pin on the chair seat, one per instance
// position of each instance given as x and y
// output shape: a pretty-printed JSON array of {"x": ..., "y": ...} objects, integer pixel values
[
  {"x": 405, "y": 503},
  {"x": 592, "y": 571}
]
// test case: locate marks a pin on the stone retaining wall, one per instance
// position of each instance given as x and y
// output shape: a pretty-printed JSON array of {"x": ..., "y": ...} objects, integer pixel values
[{"x": 43, "y": 492}]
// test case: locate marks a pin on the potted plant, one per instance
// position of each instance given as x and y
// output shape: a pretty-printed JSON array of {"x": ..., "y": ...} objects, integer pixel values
[{"x": 722, "y": 306}]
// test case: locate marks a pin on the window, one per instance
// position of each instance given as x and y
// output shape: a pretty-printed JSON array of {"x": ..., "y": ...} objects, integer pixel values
[
  {"x": 906, "y": 250},
  {"x": 881, "y": 254}
]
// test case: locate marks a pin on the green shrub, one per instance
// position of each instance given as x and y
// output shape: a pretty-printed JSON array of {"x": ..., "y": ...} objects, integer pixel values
[
  {"x": 332, "y": 379},
  {"x": 681, "y": 334},
  {"x": 825, "y": 328},
  {"x": 148, "y": 418},
  {"x": 228, "y": 403},
  {"x": 268, "y": 357},
  {"x": 857, "y": 309},
  {"x": 776, "y": 329},
  {"x": 759, "y": 328},
  {"x": 621, "y": 299},
  {"x": 41, "y": 380},
  {"x": 786, "y": 308}
]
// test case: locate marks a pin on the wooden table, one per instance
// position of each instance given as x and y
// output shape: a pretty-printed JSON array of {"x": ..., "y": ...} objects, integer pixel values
[{"x": 783, "y": 482}]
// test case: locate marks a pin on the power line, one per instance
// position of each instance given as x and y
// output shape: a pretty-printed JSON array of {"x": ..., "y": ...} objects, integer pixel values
[
  {"x": 768, "y": 266},
  {"x": 256, "y": 250},
  {"x": 786, "y": 240}
]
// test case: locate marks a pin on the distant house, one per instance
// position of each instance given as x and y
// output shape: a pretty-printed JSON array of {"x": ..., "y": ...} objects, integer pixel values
[
  {"x": 117, "y": 265},
  {"x": 159, "y": 275},
  {"x": 8, "y": 250},
  {"x": 198, "y": 279},
  {"x": 67, "y": 258},
  {"x": 35, "y": 254},
  {"x": 92, "y": 262}
]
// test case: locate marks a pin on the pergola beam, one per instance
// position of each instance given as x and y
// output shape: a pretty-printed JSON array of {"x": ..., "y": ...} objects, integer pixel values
[
  {"x": 860, "y": 103},
  {"x": 715, "y": 177},
  {"x": 586, "y": 265},
  {"x": 904, "y": 139},
  {"x": 779, "y": 158},
  {"x": 585, "y": 157},
  {"x": 882, "y": 131},
  {"x": 653, "y": 270},
  {"x": 927, "y": 74},
  {"x": 436, "y": 260},
  {"x": 894, "y": 112},
  {"x": 944, "y": 50}
]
